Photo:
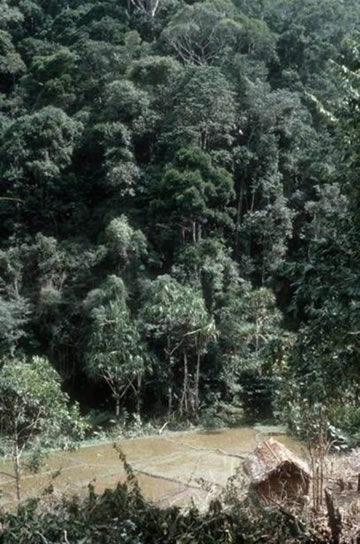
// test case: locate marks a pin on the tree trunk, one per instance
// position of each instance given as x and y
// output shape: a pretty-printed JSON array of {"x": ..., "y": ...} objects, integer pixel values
[
  {"x": 238, "y": 218},
  {"x": 17, "y": 469},
  {"x": 170, "y": 398},
  {"x": 186, "y": 386},
  {"x": 170, "y": 376},
  {"x": 193, "y": 224},
  {"x": 138, "y": 395},
  {"x": 117, "y": 408},
  {"x": 335, "y": 520},
  {"x": 184, "y": 398},
  {"x": 197, "y": 380}
]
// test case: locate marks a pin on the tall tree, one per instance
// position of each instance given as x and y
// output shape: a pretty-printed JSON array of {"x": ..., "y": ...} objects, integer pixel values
[
  {"x": 174, "y": 318},
  {"x": 195, "y": 195},
  {"x": 115, "y": 352}
]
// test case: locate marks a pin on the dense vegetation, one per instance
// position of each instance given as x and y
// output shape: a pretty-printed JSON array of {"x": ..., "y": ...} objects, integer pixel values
[{"x": 179, "y": 227}]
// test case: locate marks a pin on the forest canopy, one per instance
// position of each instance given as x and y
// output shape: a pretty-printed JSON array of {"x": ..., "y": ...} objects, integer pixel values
[{"x": 179, "y": 203}]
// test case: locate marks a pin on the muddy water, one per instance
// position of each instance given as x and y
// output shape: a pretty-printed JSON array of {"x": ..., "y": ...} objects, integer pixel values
[{"x": 170, "y": 468}]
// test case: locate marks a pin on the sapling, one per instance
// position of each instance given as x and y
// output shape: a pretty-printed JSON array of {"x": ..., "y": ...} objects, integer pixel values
[{"x": 34, "y": 412}]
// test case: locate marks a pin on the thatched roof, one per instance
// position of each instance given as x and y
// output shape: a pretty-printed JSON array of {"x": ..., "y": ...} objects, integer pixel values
[{"x": 269, "y": 458}]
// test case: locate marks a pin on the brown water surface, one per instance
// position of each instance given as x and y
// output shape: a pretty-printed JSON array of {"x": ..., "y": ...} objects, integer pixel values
[{"x": 170, "y": 468}]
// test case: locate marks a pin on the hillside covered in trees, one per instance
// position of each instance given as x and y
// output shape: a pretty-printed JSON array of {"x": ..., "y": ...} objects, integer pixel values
[{"x": 179, "y": 221}]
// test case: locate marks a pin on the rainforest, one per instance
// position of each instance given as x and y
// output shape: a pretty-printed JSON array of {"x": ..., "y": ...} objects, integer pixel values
[{"x": 179, "y": 217}]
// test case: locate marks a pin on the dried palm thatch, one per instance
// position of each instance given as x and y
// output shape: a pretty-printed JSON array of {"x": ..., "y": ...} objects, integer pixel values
[{"x": 275, "y": 472}]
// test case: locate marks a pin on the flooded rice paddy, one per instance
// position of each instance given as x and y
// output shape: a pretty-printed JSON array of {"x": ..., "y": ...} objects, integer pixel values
[{"x": 170, "y": 469}]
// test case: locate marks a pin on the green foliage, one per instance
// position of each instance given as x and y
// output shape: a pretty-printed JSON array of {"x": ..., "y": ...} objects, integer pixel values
[
  {"x": 208, "y": 150},
  {"x": 14, "y": 315},
  {"x": 324, "y": 364},
  {"x": 36, "y": 151},
  {"x": 10, "y": 14},
  {"x": 124, "y": 243},
  {"x": 33, "y": 407},
  {"x": 10, "y": 60},
  {"x": 34, "y": 412},
  {"x": 255, "y": 347},
  {"x": 195, "y": 196},
  {"x": 174, "y": 318},
  {"x": 203, "y": 109},
  {"x": 51, "y": 78},
  {"x": 115, "y": 352},
  {"x": 203, "y": 33}
]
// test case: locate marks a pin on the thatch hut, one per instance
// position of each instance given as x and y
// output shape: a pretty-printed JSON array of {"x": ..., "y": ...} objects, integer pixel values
[{"x": 276, "y": 473}]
